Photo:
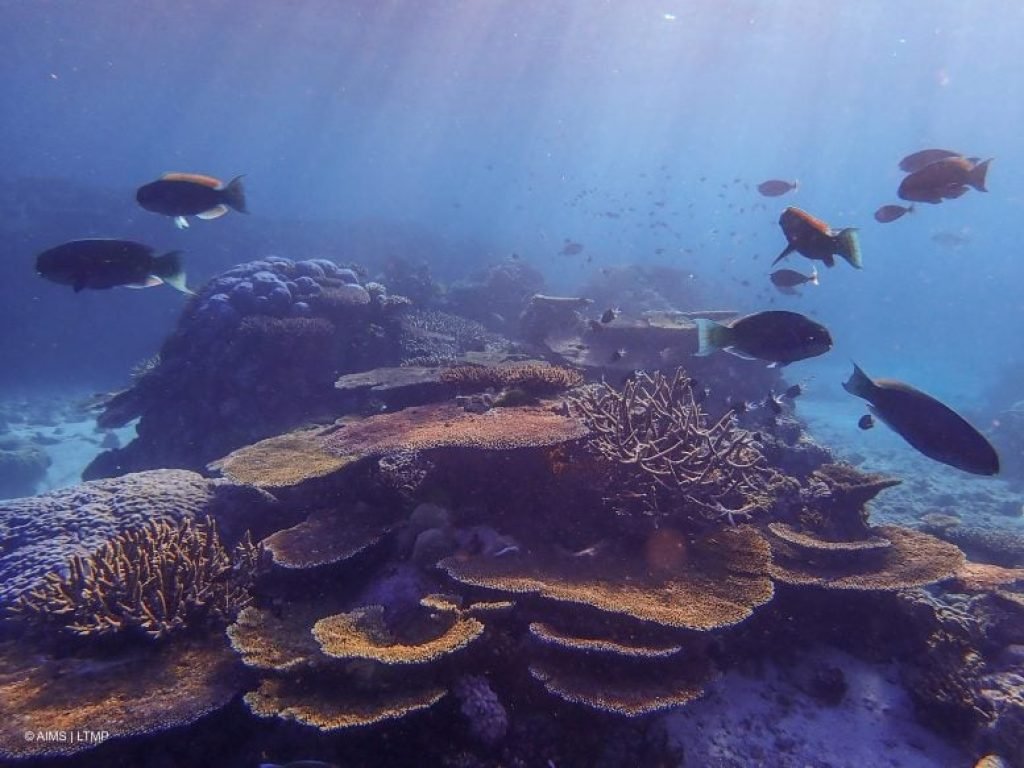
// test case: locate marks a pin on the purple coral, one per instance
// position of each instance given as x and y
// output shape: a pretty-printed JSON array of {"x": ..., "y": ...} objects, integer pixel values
[{"x": 487, "y": 717}]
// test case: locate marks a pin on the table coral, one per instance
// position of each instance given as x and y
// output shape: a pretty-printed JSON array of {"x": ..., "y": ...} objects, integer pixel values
[{"x": 532, "y": 377}]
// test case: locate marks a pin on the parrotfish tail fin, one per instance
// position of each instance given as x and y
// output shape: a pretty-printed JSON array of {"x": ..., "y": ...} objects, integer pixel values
[
  {"x": 976, "y": 178},
  {"x": 848, "y": 246},
  {"x": 170, "y": 269},
  {"x": 234, "y": 194},
  {"x": 711, "y": 336},
  {"x": 859, "y": 384},
  {"x": 784, "y": 254},
  {"x": 814, "y": 276}
]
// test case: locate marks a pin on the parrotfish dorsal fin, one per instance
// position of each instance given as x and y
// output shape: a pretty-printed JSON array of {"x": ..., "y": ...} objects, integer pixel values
[{"x": 195, "y": 178}]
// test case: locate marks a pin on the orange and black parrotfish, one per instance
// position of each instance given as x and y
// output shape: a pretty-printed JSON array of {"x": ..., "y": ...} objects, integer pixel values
[
  {"x": 191, "y": 194},
  {"x": 944, "y": 179},
  {"x": 814, "y": 239}
]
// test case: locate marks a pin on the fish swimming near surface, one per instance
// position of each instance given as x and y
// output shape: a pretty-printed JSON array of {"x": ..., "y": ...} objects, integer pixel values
[
  {"x": 192, "y": 194},
  {"x": 918, "y": 160},
  {"x": 814, "y": 239},
  {"x": 944, "y": 180},
  {"x": 777, "y": 336},
  {"x": 931, "y": 427},
  {"x": 788, "y": 279},
  {"x": 106, "y": 263},
  {"x": 867, "y": 421},
  {"x": 889, "y": 213},
  {"x": 776, "y": 187}
]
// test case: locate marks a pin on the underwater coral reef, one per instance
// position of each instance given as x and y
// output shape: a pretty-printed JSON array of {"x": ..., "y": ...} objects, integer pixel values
[{"x": 516, "y": 558}]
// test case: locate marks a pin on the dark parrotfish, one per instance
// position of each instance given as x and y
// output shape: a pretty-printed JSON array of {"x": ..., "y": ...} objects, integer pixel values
[
  {"x": 191, "y": 194},
  {"x": 814, "y": 239},
  {"x": 609, "y": 315},
  {"x": 788, "y": 279},
  {"x": 931, "y": 427},
  {"x": 776, "y": 336},
  {"x": 106, "y": 263},
  {"x": 918, "y": 160},
  {"x": 944, "y": 180},
  {"x": 889, "y": 213},
  {"x": 776, "y": 187}
]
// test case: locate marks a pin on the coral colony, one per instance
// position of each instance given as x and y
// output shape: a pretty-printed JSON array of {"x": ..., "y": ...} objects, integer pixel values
[{"x": 429, "y": 544}]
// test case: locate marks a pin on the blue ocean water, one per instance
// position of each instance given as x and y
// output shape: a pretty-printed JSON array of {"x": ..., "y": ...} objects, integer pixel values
[
  {"x": 460, "y": 135},
  {"x": 462, "y": 132}
]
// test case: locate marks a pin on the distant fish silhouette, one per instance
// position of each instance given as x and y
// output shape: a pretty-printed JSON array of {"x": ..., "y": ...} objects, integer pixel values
[
  {"x": 889, "y": 213},
  {"x": 788, "y": 279},
  {"x": 776, "y": 187},
  {"x": 571, "y": 248}
]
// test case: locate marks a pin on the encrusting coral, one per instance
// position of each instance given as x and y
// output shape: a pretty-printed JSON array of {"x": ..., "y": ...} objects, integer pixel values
[
  {"x": 157, "y": 579},
  {"x": 656, "y": 425},
  {"x": 531, "y": 377}
]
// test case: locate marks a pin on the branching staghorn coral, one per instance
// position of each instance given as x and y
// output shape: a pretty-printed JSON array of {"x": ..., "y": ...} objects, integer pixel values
[
  {"x": 156, "y": 579},
  {"x": 656, "y": 425}
]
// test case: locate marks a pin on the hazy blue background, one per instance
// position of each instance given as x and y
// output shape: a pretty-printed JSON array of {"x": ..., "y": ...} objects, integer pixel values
[{"x": 465, "y": 131}]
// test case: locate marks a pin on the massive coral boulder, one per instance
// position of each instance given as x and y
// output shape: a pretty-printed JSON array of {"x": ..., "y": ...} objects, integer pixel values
[
  {"x": 41, "y": 533},
  {"x": 255, "y": 352}
]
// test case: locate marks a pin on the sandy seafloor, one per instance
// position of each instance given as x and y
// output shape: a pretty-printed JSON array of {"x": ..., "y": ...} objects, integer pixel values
[{"x": 746, "y": 720}]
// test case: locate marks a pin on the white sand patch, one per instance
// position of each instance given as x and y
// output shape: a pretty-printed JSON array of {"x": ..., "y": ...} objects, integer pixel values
[
  {"x": 772, "y": 722},
  {"x": 65, "y": 432}
]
